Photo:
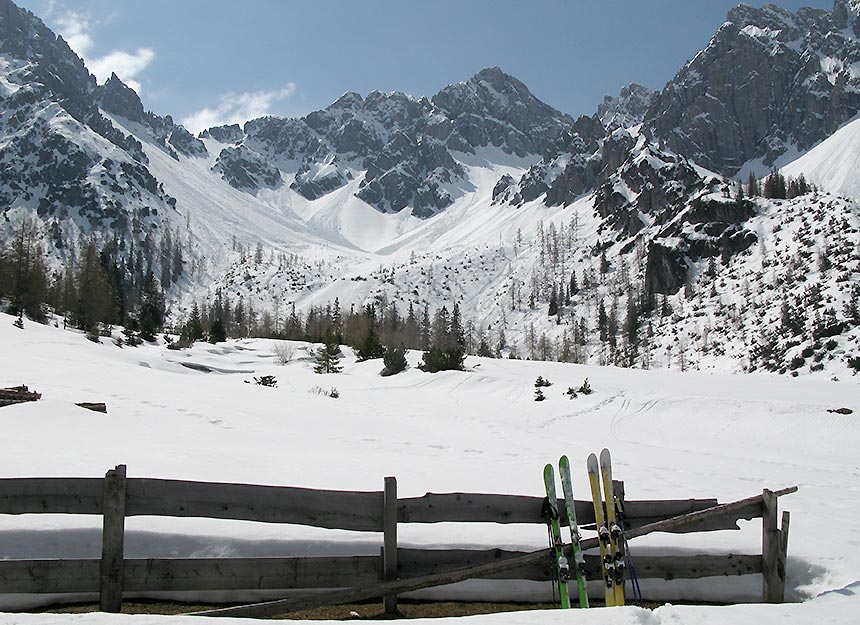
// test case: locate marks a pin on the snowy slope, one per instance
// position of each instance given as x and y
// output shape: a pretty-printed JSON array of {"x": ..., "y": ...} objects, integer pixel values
[
  {"x": 833, "y": 164},
  {"x": 672, "y": 435}
]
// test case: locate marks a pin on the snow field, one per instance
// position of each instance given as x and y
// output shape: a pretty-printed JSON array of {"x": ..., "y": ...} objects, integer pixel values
[{"x": 672, "y": 435}]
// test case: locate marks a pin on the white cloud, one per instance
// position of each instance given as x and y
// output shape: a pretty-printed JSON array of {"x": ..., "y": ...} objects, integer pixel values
[
  {"x": 124, "y": 64},
  {"x": 237, "y": 108},
  {"x": 75, "y": 29}
]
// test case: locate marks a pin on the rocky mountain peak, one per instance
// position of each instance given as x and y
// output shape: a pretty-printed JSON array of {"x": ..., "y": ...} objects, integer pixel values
[
  {"x": 494, "y": 108},
  {"x": 350, "y": 99},
  {"x": 627, "y": 108},
  {"x": 490, "y": 91},
  {"x": 768, "y": 81},
  {"x": 53, "y": 65},
  {"x": 119, "y": 99}
]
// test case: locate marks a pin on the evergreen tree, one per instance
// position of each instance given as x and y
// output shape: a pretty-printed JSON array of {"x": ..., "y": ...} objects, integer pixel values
[
  {"x": 573, "y": 288},
  {"x": 752, "y": 186},
  {"x": 151, "y": 315},
  {"x": 24, "y": 273},
  {"x": 370, "y": 347},
  {"x": 553, "y": 305},
  {"x": 328, "y": 357},
  {"x": 425, "y": 336},
  {"x": 394, "y": 360},
  {"x": 217, "y": 332},
  {"x": 631, "y": 329},
  {"x": 95, "y": 296},
  {"x": 602, "y": 322}
]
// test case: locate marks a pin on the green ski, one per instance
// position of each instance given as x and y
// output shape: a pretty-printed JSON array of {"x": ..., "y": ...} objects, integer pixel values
[
  {"x": 551, "y": 514},
  {"x": 570, "y": 506}
]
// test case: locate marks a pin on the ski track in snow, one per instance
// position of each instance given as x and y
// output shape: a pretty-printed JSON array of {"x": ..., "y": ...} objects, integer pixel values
[{"x": 672, "y": 434}]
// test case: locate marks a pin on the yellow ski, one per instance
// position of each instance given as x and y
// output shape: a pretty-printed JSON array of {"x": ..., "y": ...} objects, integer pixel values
[
  {"x": 616, "y": 539},
  {"x": 606, "y": 559}
]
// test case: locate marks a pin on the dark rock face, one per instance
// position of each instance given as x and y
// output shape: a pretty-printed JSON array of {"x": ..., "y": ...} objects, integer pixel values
[
  {"x": 570, "y": 167},
  {"x": 404, "y": 144},
  {"x": 42, "y": 161},
  {"x": 628, "y": 108},
  {"x": 122, "y": 101},
  {"x": 665, "y": 267},
  {"x": 320, "y": 173},
  {"x": 493, "y": 108},
  {"x": 119, "y": 99},
  {"x": 225, "y": 134},
  {"x": 278, "y": 139},
  {"x": 408, "y": 172},
  {"x": 709, "y": 228},
  {"x": 663, "y": 199},
  {"x": 768, "y": 79},
  {"x": 186, "y": 143},
  {"x": 245, "y": 169}
]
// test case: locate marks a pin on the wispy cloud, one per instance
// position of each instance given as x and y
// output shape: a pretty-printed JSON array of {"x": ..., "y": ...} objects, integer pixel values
[
  {"x": 75, "y": 29},
  {"x": 237, "y": 108}
]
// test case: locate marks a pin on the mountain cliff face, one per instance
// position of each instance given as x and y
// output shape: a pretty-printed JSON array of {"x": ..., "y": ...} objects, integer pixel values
[
  {"x": 497, "y": 200},
  {"x": 769, "y": 82},
  {"x": 405, "y": 147},
  {"x": 628, "y": 108},
  {"x": 59, "y": 156}
]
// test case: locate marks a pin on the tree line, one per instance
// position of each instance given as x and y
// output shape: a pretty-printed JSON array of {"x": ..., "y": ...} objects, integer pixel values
[{"x": 105, "y": 283}]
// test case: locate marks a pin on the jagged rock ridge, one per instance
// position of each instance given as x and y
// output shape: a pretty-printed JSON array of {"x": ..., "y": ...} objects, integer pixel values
[
  {"x": 405, "y": 147},
  {"x": 768, "y": 81},
  {"x": 59, "y": 154}
]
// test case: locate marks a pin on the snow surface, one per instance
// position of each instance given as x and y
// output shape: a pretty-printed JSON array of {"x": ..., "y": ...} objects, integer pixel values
[
  {"x": 673, "y": 435},
  {"x": 833, "y": 164}
]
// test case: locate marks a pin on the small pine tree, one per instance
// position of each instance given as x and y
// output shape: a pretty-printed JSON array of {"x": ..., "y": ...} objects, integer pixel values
[
  {"x": 394, "y": 360},
  {"x": 371, "y": 347},
  {"x": 437, "y": 359},
  {"x": 586, "y": 389},
  {"x": 539, "y": 396},
  {"x": 217, "y": 333},
  {"x": 752, "y": 186},
  {"x": 328, "y": 358}
]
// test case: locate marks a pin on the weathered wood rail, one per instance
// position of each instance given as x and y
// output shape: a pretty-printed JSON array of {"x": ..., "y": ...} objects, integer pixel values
[
  {"x": 396, "y": 570},
  {"x": 16, "y": 395}
]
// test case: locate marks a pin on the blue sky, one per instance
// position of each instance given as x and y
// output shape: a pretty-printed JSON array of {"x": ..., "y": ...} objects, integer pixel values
[{"x": 216, "y": 61}]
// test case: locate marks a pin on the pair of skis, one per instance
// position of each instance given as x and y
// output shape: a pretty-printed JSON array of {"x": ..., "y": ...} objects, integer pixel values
[
  {"x": 563, "y": 569},
  {"x": 611, "y": 538}
]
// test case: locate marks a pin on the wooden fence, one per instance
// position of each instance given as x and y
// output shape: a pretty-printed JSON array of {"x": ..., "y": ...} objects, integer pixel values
[{"x": 117, "y": 497}]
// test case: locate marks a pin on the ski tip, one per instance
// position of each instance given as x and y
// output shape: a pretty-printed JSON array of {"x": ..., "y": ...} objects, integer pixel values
[
  {"x": 563, "y": 461},
  {"x": 605, "y": 458},
  {"x": 592, "y": 463},
  {"x": 548, "y": 470}
]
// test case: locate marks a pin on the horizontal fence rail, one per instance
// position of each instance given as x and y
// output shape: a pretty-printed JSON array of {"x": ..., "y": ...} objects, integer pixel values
[
  {"x": 329, "y": 509},
  {"x": 116, "y": 497}
]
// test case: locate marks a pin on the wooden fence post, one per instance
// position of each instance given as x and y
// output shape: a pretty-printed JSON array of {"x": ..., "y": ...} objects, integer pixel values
[
  {"x": 772, "y": 550},
  {"x": 389, "y": 550},
  {"x": 113, "y": 529}
]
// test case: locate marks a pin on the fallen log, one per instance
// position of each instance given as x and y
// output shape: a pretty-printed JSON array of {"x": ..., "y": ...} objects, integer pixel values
[
  {"x": 744, "y": 508},
  {"x": 95, "y": 407},
  {"x": 17, "y": 395}
]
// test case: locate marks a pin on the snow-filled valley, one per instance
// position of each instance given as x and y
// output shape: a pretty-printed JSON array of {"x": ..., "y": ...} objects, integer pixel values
[
  {"x": 692, "y": 254},
  {"x": 673, "y": 435}
]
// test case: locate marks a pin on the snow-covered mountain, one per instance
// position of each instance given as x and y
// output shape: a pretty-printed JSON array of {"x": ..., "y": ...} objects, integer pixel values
[
  {"x": 769, "y": 84},
  {"x": 621, "y": 224}
]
